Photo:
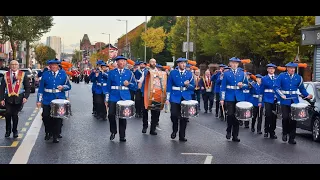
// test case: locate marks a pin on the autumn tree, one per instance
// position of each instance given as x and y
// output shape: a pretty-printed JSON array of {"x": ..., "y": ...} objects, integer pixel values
[
  {"x": 154, "y": 39},
  {"x": 76, "y": 57},
  {"x": 44, "y": 53},
  {"x": 97, "y": 56}
]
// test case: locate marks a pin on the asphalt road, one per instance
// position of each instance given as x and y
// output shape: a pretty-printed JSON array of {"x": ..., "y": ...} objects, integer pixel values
[{"x": 86, "y": 141}]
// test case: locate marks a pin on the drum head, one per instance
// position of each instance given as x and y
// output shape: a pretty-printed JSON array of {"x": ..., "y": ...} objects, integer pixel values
[
  {"x": 244, "y": 104},
  {"x": 60, "y": 101},
  {"x": 125, "y": 102},
  {"x": 299, "y": 105},
  {"x": 190, "y": 102}
]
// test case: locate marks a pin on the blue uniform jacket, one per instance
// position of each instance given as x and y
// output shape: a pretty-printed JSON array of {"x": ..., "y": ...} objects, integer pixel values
[
  {"x": 116, "y": 80},
  {"x": 145, "y": 71},
  {"x": 133, "y": 88},
  {"x": 137, "y": 74},
  {"x": 201, "y": 84},
  {"x": 217, "y": 82},
  {"x": 284, "y": 85},
  {"x": 256, "y": 96},
  {"x": 230, "y": 91},
  {"x": 49, "y": 83},
  {"x": 267, "y": 91},
  {"x": 94, "y": 83},
  {"x": 101, "y": 83},
  {"x": 175, "y": 82}
]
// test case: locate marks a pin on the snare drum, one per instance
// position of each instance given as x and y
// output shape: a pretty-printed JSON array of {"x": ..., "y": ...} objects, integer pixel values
[
  {"x": 244, "y": 111},
  {"x": 189, "y": 109},
  {"x": 125, "y": 109},
  {"x": 60, "y": 108},
  {"x": 299, "y": 112}
]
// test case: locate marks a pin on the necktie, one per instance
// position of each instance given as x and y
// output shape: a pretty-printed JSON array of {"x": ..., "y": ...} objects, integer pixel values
[
  {"x": 54, "y": 74},
  {"x": 181, "y": 73},
  {"x": 14, "y": 77},
  {"x": 120, "y": 71},
  {"x": 234, "y": 71},
  {"x": 272, "y": 77}
]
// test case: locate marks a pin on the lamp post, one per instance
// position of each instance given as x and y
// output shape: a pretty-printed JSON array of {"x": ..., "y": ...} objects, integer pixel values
[
  {"x": 145, "y": 44},
  {"x": 109, "y": 41},
  {"x": 188, "y": 31},
  {"x": 126, "y": 48}
]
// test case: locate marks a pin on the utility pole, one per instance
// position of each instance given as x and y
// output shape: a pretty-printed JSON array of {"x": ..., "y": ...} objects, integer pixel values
[
  {"x": 188, "y": 31},
  {"x": 145, "y": 44}
]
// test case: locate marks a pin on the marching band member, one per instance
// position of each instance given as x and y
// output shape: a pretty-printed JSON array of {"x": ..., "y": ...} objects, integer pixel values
[
  {"x": 286, "y": 85},
  {"x": 206, "y": 91},
  {"x": 247, "y": 95},
  {"x": 159, "y": 67},
  {"x": 270, "y": 101},
  {"x": 14, "y": 91},
  {"x": 113, "y": 53},
  {"x": 217, "y": 78},
  {"x": 155, "y": 114},
  {"x": 256, "y": 100},
  {"x": 100, "y": 78},
  {"x": 52, "y": 86},
  {"x": 94, "y": 87},
  {"x": 179, "y": 87},
  {"x": 118, "y": 84},
  {"x": 232, "y": 92},
  {"x": 196, "y": 95},
  {"x": 138, "y": 96}
]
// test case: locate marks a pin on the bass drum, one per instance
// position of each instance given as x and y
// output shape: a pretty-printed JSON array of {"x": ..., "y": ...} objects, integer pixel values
[{"x": 155, "y": 90}]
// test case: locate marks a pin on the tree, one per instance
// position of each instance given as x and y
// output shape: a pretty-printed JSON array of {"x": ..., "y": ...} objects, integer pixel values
[
  {"x": 97, "y": 56},
  {"x": 76, "y": 57},
  {"x": 44, "y": 53},
  {"x": 154, "y": 39}
]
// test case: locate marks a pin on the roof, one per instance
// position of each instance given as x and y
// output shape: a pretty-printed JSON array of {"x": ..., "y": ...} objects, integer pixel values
[{"x": 315, "y": 27}]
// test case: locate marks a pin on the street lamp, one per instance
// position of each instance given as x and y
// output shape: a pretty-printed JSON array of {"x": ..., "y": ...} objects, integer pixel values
[
  {"x": 109, "y": 39},
  {"x": 126, "y": 33},
  {"x": 145, "y": 44}
]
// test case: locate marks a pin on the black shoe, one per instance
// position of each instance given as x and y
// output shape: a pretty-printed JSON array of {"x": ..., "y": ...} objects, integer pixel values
[
  {"x": 144, "y": 130},
  {"x": 259, "y": 132},
  {"x": 59, "y": 136},
  {"x": 266, "y": 135},
  {"x": 253, "y": 130},
  {"x": 292, "y": 141},
  {"x": 210, "y": 110},
  {"x": 284, "y": 137},
  {"x": 183, "y": 139},
  {"x": 273, "y": 136},
  {"x": 15, "y": 135},
  {"x": 216, "y": 115},
  {"x": 246, "y": 127},
  {"x": 7, "y": 134},
  {"x": 228, "y": 136},
  {"x": 123, "y": 139},
  {"x": 55, "y": 140},
  {"x": 112, "y": 136},
  {"x": 47, "y": 137},
  {"x": 153, "y": 133},
  {"x": 173, "y": 135},
  {"x": 235, "y": 139},
  {"x": 187, "y": 120},
  {"x": 205, "y": 111},
  {"x": 240, "y": 123}
]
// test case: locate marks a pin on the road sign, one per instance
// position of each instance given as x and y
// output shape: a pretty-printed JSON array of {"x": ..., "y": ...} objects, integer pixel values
[{"x": 185, "y": 47}]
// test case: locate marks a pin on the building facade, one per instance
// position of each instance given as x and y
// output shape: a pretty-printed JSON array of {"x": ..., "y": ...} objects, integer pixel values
[{"x": 55, "y": 43}]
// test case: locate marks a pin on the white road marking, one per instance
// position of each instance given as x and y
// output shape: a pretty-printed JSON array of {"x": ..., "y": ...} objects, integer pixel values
[
  {"x": 197, "y": 154},
  {"x": 23, "y": 152},
  {"x": 208, "y": 160}
]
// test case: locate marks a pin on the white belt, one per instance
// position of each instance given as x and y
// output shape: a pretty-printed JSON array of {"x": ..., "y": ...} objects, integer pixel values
[
  {"x": 179, "y": 88},
  {"x": 246, "y": 91},
  {"x": 119, "y": 87},
  {"x": 255, "y": 96},
  {"x": 233, "y": 87},
  {"x": 52, "y": 90},
  {"x": 289, "y": 92},
  {"x": 269, "y": 90},
  {"x": 104, "y": 84}
]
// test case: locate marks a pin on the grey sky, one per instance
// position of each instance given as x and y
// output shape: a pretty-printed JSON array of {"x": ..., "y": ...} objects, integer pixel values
[{"x": 72, "y": 28}]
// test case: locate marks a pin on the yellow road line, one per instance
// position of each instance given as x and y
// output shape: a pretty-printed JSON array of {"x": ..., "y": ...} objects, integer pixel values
[
  {"x": 20, "y": 136},
  {"x": 27, "y": 123},
  {"x": 14, "y": 144},
  {"x": 30, "y": 118},
  {"x": 23, "y": 129}
]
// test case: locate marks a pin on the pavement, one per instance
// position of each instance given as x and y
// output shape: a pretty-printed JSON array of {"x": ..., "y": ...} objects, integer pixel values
[{"x": 86, "y": 141}]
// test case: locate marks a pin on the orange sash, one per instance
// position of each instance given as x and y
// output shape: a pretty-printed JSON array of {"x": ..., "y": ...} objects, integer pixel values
[
  {"x": 14, "y": 91},
  {"x": 197, "y": 82}
]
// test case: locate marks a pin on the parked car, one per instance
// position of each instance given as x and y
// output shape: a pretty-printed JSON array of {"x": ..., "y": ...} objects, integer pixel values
[
  {"x": 36, "y": 78},
  {"x": 312, "y": 124},
  {"x": 31, "y": 77}
]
